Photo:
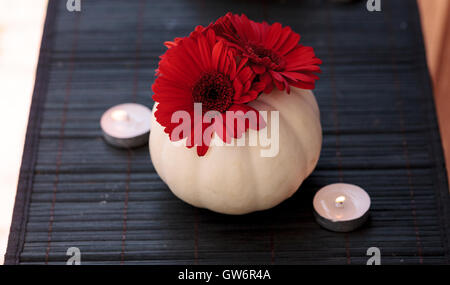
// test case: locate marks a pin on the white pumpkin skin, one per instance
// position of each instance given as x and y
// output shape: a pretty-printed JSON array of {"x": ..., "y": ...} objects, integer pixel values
[{"x": 237, "y": 179}]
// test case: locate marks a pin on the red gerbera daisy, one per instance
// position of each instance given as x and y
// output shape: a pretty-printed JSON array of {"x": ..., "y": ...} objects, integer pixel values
[
  {"x": 221, "y": 27},
  {"x": 274, "y": 52},
  {"x": 199, "y": 29},
  {"x": 204, "y": 70}
]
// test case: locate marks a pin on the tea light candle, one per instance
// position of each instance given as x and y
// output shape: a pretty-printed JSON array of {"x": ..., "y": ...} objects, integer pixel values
[
  {"x": 126, "y": 125},
  {"x": 341, "y": 207}
]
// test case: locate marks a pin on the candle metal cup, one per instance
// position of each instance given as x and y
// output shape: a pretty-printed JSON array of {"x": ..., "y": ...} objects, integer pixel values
[
  {"x": 126, "y": 125},
  {"x": 341, "y": 207}
]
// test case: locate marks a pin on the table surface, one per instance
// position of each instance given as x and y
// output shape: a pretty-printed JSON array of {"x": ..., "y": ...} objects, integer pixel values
[{"x": 378, "y": 118}]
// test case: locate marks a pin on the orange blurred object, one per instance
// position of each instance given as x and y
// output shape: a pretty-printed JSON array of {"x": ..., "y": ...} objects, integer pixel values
[{"x": 435, "y": 16}]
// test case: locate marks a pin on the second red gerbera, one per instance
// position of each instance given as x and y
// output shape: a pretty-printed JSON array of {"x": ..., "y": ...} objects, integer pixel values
[{"x": 274, "y": 52}]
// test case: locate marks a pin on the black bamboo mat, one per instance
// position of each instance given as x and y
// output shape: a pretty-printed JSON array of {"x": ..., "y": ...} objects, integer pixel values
[{"x": 380, "y": 132}]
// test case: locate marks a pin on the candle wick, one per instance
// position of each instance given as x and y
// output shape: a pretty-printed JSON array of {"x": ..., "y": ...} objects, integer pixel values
[
  {"x": 340, "y": 201},
  {"x": 120, "y": 115}
]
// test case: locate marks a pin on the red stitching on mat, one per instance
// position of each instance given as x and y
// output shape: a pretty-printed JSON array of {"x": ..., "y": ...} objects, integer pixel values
[
  {"x": 404, "y": 141},
  {"x": 272, "y": 248},
  {"x": 412, "y": 196},
  {"x": 138, "y": 48},
  {"x": 347, "y": 249},
  {"x": 68, "y": 90},
  {"x": 134, "y": 98},
  {"x": 125, "y": 207},
  {"x": 336, "y": 119},
  {"x": 196, "y": 237}
]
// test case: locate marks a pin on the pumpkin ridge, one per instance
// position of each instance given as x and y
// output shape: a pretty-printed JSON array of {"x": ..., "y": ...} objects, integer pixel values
[
  {"x": 286, "y": 121},
  {"x": 251, "y": 162},
  {"x": 305, "y": 100}
]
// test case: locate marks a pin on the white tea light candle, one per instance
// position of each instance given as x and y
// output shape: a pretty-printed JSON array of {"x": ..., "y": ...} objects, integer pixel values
[
  {"x": 341, "y": 207},
  {"x": 126, "y": 125}
]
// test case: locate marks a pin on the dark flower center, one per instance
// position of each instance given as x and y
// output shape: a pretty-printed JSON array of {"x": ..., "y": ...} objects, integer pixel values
[
  {"x": 260, "y": 55},
  {"x": 215, "y": 91}
]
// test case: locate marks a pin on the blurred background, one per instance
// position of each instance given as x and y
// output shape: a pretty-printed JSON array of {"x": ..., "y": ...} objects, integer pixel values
[
  {"x": 21, "y": 24},
  {"x": 435, "y": 16}
]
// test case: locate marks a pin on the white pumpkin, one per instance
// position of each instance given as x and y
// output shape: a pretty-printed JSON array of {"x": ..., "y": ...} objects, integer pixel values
[{"x": 237, "y": 179}]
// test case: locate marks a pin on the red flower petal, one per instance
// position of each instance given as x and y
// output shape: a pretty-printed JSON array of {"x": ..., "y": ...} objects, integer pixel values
[
  {"x": 259, "y": 69},
  {"x": 270, "y": 48}
]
